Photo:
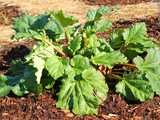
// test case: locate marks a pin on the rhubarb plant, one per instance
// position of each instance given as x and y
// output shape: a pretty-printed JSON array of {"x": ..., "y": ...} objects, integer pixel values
[{"x": 71, "y": 55}]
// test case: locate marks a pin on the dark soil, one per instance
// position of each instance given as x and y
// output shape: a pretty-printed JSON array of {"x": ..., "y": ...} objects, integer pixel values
[
  {"x": 43, "y": 108},
  {"x": 114, "y": 2}
]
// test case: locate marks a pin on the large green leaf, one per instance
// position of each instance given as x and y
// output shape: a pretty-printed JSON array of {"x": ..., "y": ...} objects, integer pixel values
[
  {"x": 151, "y": 62},
  {"x": 77, "y": 65},
  {"x": 30, "y": 80},
  {"x": 83, "y": 95},
  {"x": 135, "y": 89},
  {"x": 55, "y": 67},
  {"x": 63, "y": 19},
  {"x": 154, "y": 81},
  {"x": 24, "y": 82},
  {"x": 135, "y": 34},
  {"x": 109, "y": 59},
  {"x": 26, "y": 25},
  {"x": 80, "y": 63},
  {"x": 22, "y": 25}
]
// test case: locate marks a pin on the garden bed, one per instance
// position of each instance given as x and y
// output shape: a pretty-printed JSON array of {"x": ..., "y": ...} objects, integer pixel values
[{"x": 43, "y": 107}]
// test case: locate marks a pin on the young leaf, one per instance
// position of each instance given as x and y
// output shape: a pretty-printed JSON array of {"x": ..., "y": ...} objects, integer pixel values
[
  {"x": 135, "y": 87},
  {"x": 92, "y": 42},
  {"x": 93, "y": 15},
  {"x": 116, "y": 39},
  {"x": 82, "y": 96},
  {"x": 75, "y": 44},
  {"x": 151, "y": 62},
  {"x": 135, "y": 34},
  {"x": 105, "y": 45},
  {"x": 55, "y": 67},
  {"x": 109, "y": 59}
]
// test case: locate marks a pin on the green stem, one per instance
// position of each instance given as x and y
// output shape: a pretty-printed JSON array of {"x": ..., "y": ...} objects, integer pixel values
[{"x": 55, "y": 48}]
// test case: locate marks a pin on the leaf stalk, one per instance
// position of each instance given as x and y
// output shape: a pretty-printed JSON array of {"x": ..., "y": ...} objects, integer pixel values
[{"x": 55, "y": 48}]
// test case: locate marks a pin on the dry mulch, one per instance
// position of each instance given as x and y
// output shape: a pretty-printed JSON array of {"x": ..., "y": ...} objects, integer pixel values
[
  {"x": 114, "y": 107},
  {"x": 114, "y": 2}
]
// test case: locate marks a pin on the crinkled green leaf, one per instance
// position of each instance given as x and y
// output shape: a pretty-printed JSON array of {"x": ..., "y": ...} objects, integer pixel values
[
  {"x": 154, "y": 81},
  {"x": 54, "y": 28},
  {"x": 77, "y": 65},
  {"x": 63, "y": 19},
  {"x": 109, "y": 59},
  {"x": 135, "y": 34},
  {"x": 135, "y": 89},
  {"x": 75, "y": 44},
  {"x": 82, "y": 96},
  {"x": 102, "y": 25},
  {"x": 22, "y": 25},
  {"x": 80, "y": 63},
  {"x": 40, "y": 22},
  {"x": 55, "y": 67},
  {"x": 97, "y": 14},
  {"x": 151, "y": 62},
  {"x": 26, "y": 25}
]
